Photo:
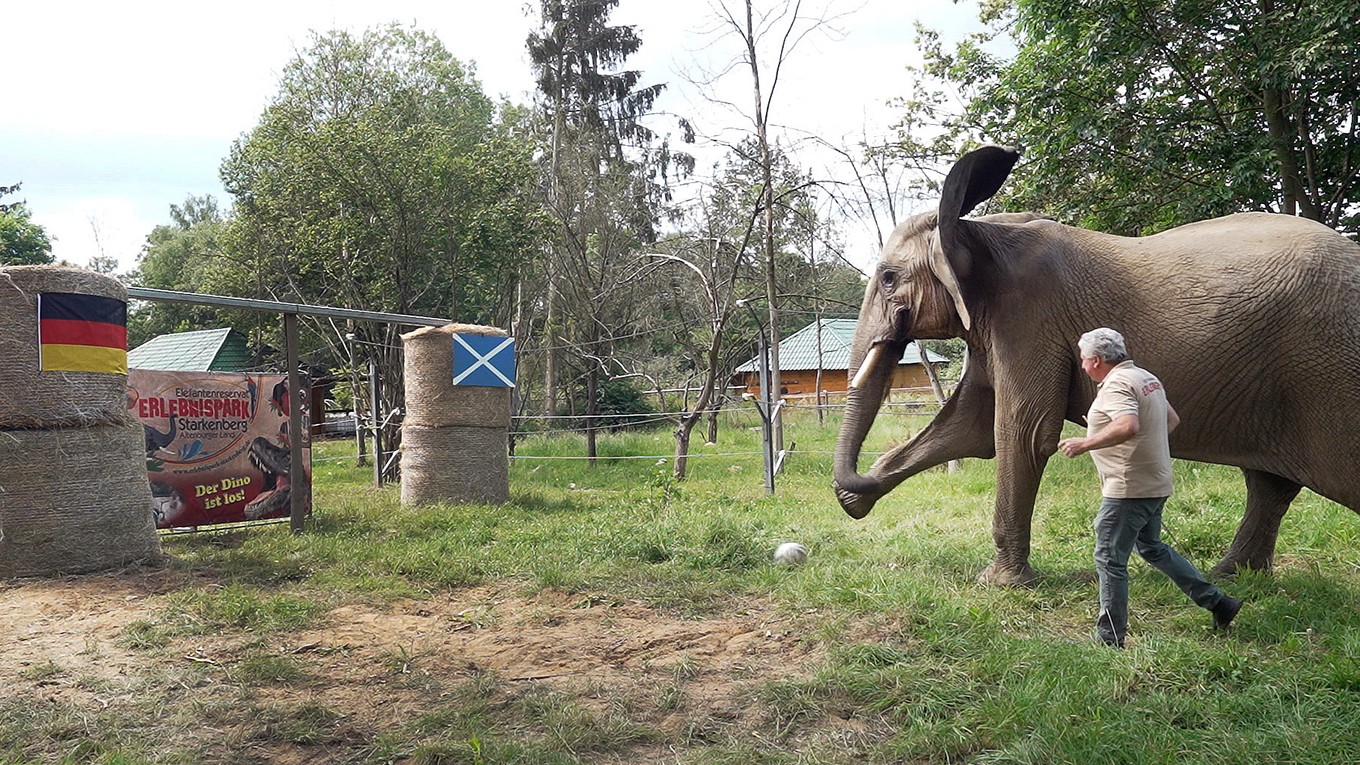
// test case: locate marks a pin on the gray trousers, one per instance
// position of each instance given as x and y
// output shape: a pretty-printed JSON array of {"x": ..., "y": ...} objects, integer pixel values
[{"x": 1121, "y": 526}]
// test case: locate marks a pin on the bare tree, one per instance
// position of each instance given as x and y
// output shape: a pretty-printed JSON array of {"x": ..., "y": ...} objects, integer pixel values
[
  {"x": 711, "y": 254},
  {"x": 102, "y": 262},
  {"x": 768, "y": 37}
]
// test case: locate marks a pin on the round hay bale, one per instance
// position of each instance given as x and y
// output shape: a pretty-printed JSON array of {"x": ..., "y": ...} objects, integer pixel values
[
  {"x": 455, "y": 464},
  {"x": 432, "y": 400},
  {"x": 74, "y": 500},
  {"x": 51, "y": 399}
]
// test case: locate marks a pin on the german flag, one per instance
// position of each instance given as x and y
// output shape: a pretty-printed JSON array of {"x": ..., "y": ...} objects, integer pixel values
[{"x": 81, "y": 333}]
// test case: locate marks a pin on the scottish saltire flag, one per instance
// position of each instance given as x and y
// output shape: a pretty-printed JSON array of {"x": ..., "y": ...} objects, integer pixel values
[
  {"x": 484, "y": 360},
  {"x": 81, "y": 333}
]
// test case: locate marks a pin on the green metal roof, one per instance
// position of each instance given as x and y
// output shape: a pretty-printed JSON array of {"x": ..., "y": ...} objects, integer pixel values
[
  {"x": 799, "y": 350},
  {"x": 206, "y": 350}
]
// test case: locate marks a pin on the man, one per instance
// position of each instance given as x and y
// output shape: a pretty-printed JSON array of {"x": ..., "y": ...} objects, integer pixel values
[{"x": 1127, "y": 430}]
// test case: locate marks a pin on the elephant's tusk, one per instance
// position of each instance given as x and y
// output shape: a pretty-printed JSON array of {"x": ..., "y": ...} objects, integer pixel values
[{"x": 865, "y": 368}]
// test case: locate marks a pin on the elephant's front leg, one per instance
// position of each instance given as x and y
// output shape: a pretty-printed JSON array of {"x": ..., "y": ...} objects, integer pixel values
[
  {"x": 1022, "y": 451},
  {"x": 963, "y": 428}
]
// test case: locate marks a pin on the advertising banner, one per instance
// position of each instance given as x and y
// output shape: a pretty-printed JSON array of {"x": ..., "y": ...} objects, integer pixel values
[{"x": 216, "y": 445}]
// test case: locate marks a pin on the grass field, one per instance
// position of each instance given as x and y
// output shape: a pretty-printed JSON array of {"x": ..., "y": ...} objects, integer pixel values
[{"x": 610, "y": 615}]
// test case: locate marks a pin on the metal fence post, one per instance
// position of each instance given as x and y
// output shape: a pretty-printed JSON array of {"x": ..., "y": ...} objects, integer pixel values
[
  {"x": 766, "y": 416},
  {"x": 297, "y": 496},
  {"x": 375, "y": 412}
]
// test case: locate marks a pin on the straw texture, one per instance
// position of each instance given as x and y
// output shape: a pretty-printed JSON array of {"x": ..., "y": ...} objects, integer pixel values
[
  {"x": 33, "y": 399},
  {"x": 74, "y": 500},
  {"x": 454, "y": 464},
  {"x": 432, "y": 400}
]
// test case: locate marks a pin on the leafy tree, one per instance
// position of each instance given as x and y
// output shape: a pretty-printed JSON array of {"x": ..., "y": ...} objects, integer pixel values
[
  {"x": 183, "y": 256},
  {"x": 810, "y": 270},
  {"x": 22, "y": 242},
  {"x": 622, "y": 404},
  {"x": 103, "y": 264},
  {"x": 382, "y": 177},
  {"x": 1137, "y": 115}
]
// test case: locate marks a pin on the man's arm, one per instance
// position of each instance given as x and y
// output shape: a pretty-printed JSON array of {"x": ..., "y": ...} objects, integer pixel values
[
  {"x": 1173, "y": 420},
  {"x": 1121, "y": 429}
]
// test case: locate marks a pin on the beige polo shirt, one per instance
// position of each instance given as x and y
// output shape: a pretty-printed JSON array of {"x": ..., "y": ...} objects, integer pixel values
[{"x": 1141, "y": 466}]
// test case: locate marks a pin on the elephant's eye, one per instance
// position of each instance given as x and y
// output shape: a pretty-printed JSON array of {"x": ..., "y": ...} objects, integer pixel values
[{"x": 888, "y": 279}]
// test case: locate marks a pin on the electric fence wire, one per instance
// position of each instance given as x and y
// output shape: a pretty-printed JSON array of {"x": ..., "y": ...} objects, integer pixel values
[
  {"x": 790, "y": 405},
  {"x": 614, "y": 457}
]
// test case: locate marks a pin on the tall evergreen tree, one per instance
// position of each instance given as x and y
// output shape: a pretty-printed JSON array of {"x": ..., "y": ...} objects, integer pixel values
[{"x": 602, "y": 182}]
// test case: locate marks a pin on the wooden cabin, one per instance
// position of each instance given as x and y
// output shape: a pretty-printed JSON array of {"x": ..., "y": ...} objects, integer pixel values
[{"x": 799, "y": 362}]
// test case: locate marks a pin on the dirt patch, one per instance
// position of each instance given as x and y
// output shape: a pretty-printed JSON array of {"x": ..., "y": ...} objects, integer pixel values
[
  {"x": 377, "y": 668},
  {"x": 70, "y": 628},
  {"x": 554, "y": 636}
]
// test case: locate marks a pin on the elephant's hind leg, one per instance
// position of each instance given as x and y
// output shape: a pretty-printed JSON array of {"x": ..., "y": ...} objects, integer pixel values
[{"x": 1268, "y": 497}]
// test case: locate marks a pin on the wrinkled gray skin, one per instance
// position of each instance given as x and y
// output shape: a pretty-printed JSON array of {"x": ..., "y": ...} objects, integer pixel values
[{"x": 1252, "y": 321}]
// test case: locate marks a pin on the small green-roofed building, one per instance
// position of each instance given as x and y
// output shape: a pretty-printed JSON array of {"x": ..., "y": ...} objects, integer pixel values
[
  {"x": 799, "y": 362},
  {"x": 205, "y": 350}
]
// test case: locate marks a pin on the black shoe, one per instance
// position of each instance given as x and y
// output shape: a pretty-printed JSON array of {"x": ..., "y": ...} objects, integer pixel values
[
  {"x": 1110, "y": 640},
  {"x": 1225, "y": 610}
]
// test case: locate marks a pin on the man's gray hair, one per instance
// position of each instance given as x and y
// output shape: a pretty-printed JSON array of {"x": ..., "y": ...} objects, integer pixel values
[{"x": 1105, "y": 344}]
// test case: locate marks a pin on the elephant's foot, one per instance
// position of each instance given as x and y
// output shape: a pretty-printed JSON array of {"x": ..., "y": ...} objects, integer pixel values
[
  {"x": 1231, "y": 564},
  {"x": 1008, "y": 575}
]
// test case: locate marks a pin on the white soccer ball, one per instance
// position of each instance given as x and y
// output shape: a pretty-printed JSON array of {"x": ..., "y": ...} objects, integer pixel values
[{"x": 790, "y": 554}]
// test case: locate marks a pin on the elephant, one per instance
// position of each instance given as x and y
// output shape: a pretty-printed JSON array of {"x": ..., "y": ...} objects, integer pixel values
[{"x": 1252, "y": 322}]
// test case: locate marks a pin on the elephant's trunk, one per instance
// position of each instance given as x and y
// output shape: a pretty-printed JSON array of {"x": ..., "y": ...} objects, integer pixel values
[{"x": 857, "y": 493}]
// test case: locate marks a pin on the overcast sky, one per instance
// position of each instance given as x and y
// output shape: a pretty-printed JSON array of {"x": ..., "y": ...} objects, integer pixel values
[{"x": 115, "y": 111}]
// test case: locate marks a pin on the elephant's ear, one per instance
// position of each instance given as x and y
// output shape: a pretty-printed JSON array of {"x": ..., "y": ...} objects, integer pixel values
[
  {"x": 973, "y": 180},
  {"x": 939, "y": 265}
]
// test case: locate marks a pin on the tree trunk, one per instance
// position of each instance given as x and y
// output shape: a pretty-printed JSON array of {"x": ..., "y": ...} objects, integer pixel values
[
  {"x": 817, "y": 319},
  {"x": 1296, "y": 200},
  {"x": 360, "y": 410},
  {"x": 559, "y": 106},
  {"x": 706, "y": 396},
  {"x": 392, "y": 373},
  {"x": 550, "y": 357},
  {"x": 767, "y": 202},
  {"x": 937, "y": 387},
  {"x": 682, "y": 433}
]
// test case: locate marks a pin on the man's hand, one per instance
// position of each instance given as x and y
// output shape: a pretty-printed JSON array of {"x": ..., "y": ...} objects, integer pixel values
[
  {"x": 1071, "y": 447},
  {"x": 1122, "y": 429}
]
